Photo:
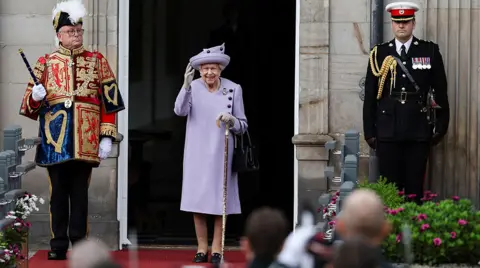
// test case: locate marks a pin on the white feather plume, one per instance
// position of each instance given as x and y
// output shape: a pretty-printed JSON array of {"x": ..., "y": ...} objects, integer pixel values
[{"x": 74, "y": 8}]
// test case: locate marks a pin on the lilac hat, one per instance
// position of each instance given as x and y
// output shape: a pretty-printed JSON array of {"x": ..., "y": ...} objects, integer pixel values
[{"x": 211, "y": 55}]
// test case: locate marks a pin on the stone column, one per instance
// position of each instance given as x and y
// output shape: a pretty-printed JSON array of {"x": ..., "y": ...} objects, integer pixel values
[{"x": 313, "y": 131}]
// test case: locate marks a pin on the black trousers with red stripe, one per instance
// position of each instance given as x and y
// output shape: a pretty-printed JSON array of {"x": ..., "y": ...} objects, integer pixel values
[
  {"x": 404, "y": 163},
  {"x": 69, "y": 184}
]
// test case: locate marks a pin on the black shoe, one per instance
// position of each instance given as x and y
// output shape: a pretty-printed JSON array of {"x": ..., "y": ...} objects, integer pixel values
[
  {"x": 216, "y": 258},
  {"x": 200, "y": 257},
  {"x": 57, "y": 255}
]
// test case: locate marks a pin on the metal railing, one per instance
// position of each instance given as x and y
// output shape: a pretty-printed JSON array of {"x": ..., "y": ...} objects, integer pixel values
[{"x": 345, "y": 183}]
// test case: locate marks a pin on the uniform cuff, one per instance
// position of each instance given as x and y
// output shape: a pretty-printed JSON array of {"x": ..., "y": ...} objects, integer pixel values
[{"x": 108, "y": 130}]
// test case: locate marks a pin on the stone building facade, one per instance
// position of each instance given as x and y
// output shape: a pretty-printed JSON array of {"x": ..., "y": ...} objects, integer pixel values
[{"x": 332, "y": 53}]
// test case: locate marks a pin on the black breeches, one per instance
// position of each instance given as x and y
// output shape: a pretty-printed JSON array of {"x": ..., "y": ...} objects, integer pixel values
[
  {"x": 69, "y": 184},
  {"x": 404, "y": 163}
]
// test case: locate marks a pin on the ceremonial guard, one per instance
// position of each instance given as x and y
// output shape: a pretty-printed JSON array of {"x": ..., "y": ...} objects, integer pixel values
[
  {"x": 406, "y": 108},
  {"x": 74, "y": 95}
]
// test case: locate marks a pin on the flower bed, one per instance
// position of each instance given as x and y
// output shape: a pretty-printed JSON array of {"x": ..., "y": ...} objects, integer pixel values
[
  {"x": 442, "y": 231},
  {"x": 13, "y": 237}
]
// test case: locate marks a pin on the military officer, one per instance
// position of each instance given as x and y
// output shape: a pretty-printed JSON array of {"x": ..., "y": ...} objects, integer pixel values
[
  {"x": 406, "y": 108},
  {"x": 75, "y": 98}
]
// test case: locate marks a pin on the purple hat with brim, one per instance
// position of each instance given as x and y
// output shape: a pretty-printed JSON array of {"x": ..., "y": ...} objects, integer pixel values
[{"x": 211, "y": 55}]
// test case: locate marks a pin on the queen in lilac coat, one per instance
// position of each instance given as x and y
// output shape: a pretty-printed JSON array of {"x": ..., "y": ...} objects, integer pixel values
[{"x": 204, "y": 101}]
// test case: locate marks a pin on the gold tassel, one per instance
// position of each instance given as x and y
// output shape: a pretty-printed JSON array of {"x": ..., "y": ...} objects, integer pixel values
[{"x": 389, "y": 65}]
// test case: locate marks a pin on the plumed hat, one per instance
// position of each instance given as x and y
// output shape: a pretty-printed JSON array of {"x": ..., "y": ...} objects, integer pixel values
[
  {"x": 68, "y": 13},
  {"x": 402, "y": 11},
  {"x": 211, "y": 55}
]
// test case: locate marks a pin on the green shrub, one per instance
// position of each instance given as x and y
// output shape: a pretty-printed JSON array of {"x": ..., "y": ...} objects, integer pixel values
[
  {"x": 388, "y": 192},
  {"x": 443, "y": 232}
]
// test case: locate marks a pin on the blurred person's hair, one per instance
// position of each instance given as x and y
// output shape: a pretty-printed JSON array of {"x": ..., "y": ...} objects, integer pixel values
[
  {"x": 363, "y": 214},
  {"x": 357, "y": 252},
  {"x": 88, "y": 253},
  {"x": 266, "y": 229}
]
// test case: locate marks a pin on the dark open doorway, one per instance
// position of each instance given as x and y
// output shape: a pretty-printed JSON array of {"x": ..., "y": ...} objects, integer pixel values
[{"x": 163, "y": 36}]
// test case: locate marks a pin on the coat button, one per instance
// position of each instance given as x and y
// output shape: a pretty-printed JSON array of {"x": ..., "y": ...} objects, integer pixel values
[
  {"x": 383, "y": 111},
  {"x": 229, "y": 98},
  {"x": 231, "y": 90},
  {"x": 403, "y": 75},
  {"x": 404, "y": 62},
  {"x": 229, "y": 106}
]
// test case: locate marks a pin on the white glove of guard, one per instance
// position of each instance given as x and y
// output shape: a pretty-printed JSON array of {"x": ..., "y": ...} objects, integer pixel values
[
  {"x": 105, "y": 148},
  {"x": 226, "y": 118},
  {"x": 294, "y": 251},
  {"x": 38, "y": 92},
  {"x": 188, "y": 77}
]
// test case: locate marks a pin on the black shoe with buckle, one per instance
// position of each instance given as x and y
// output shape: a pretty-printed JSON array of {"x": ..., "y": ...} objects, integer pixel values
[
  {"x": 200, "y": 257},
  {"x": 216, "y": 258},
  {"x": 57, "y": 255}
]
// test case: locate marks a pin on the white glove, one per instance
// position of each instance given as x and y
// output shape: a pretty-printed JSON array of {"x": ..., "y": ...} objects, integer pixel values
[
  {"x": 294, "y": 249},
  {"x": 105, "y": 148},
  {"x": 38, "y": 92},
  {"x": 188, "y": 77},
  {"x": 226, "y": 118}
]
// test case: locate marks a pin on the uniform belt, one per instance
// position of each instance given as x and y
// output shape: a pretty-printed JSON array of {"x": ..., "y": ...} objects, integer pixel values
[{"x": 405, "y": 96}]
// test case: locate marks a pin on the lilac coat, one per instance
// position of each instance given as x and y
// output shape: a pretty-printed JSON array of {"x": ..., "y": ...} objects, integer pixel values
[{"x": 202, "y": 189}]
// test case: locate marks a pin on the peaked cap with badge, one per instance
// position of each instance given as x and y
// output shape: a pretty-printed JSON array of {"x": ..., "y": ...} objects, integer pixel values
[
  {"x": 402, "y": 11},
  {"x": 406, "y": 108}
]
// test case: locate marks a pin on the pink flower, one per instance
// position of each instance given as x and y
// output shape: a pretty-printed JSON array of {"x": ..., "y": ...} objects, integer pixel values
[
  {"x": 425, "y": 227},
  {"x": 319, "y": 210},
  {"x": 401, "y": 193},
  {"x": 399, "y": 238},
  {"x": 412, "y": 196},
  {"x": 421, "y": 217},
  {"x": 324, "y": 210},
  {"x": 337, "y": 193},
  {"x": 394, "y": 211},
  {"x": 462, "y": 222},
  {"x": 437, "y": 241},
  {"x": 331, "y": 223},
  {"x": 455, "y": 198},
  {"x": 427, "y": 192},
  {"x": 453, "y": 235}
]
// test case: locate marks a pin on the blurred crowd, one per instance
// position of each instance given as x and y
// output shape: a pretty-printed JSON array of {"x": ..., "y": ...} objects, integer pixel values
[{"x": 362, "y": 227}]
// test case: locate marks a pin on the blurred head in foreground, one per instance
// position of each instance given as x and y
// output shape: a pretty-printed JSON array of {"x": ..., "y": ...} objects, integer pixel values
[
  {"x": 265, "y": 231},
  {"x": 363, "y": 215},
  {"x": 88, "y": 254}
]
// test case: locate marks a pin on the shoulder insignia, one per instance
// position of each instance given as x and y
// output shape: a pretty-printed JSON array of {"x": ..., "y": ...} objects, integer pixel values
[
  {"x": 384, "y": 43},
  {"x": 379, "y": 45},
  {"x": 425, "y": 41}
]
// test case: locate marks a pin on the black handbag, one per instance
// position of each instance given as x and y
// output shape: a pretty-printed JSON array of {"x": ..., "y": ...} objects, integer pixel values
[{"x": 245, "y": 158}]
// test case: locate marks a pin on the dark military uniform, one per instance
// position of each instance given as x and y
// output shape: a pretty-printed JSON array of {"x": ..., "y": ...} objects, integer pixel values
[{"x": 398, "y": 118}]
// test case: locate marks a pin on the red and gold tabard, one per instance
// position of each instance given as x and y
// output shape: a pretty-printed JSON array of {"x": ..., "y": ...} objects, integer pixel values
[{"x": 80, "y": 108}]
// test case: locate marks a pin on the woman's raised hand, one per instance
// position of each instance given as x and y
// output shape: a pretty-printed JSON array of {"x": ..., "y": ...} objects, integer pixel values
[{"x": 188, "y": 77}]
